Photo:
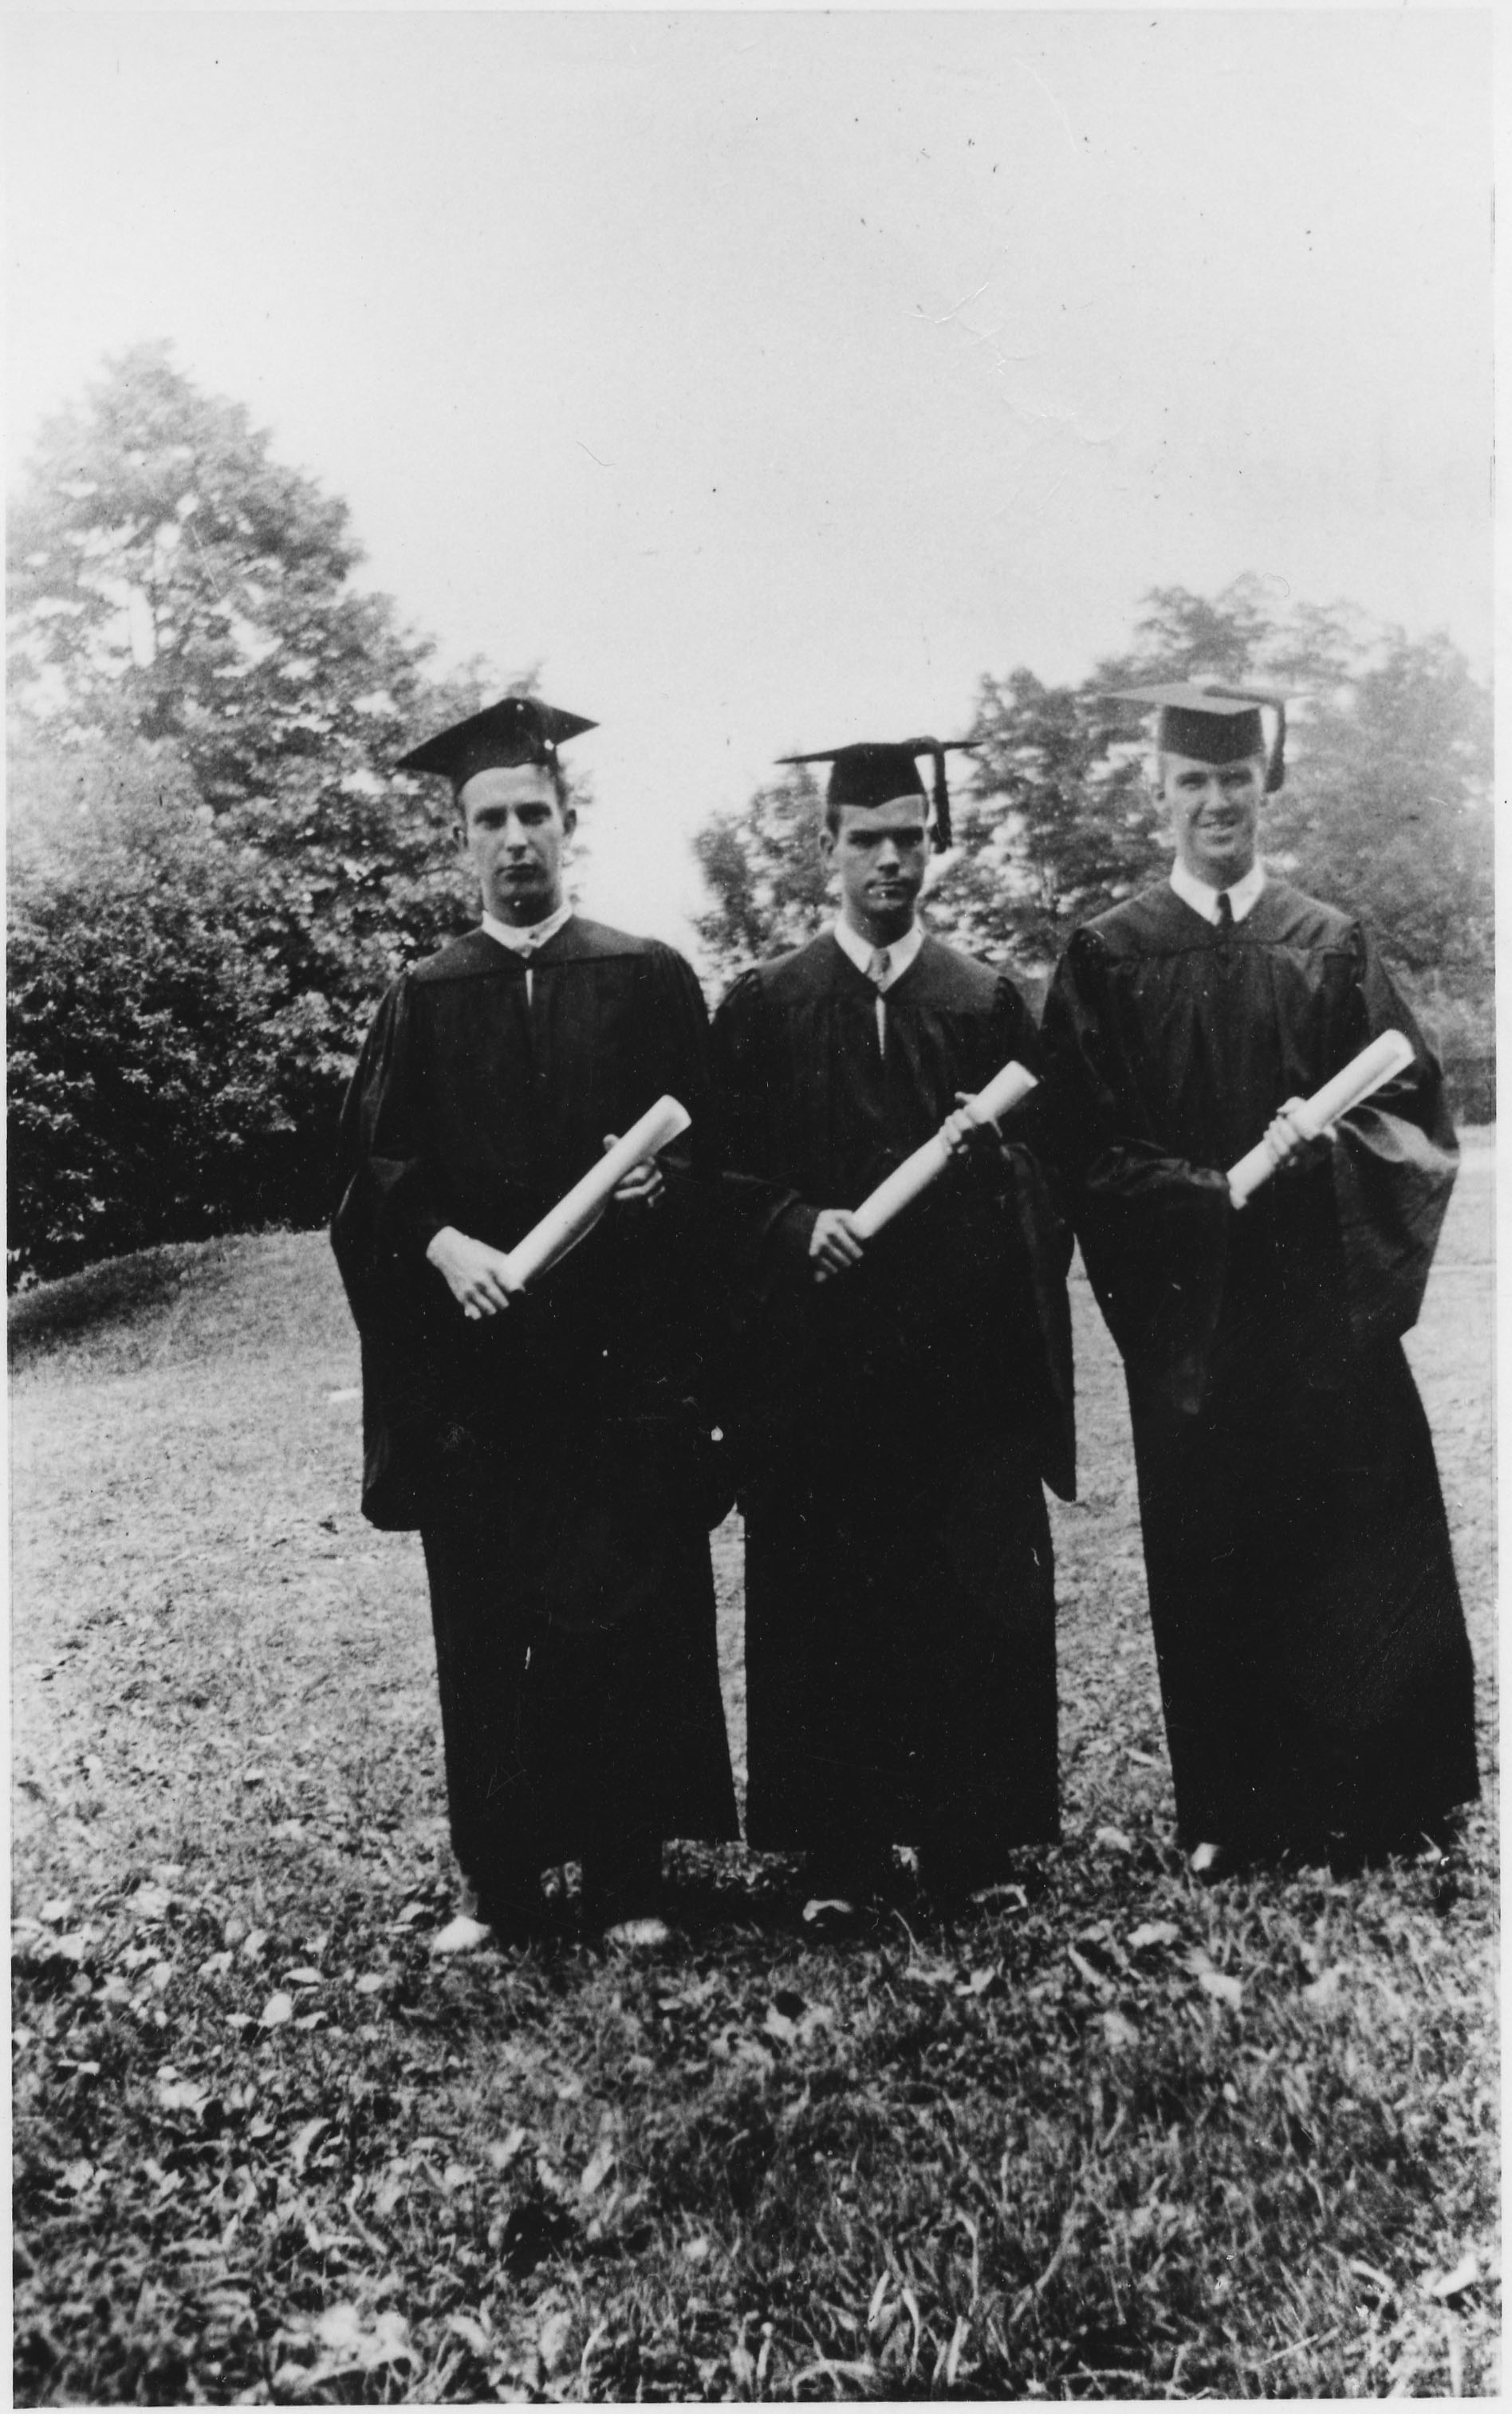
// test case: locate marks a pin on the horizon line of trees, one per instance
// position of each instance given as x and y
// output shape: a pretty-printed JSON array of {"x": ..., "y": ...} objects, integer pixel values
[{"x": 215, "y": 871}]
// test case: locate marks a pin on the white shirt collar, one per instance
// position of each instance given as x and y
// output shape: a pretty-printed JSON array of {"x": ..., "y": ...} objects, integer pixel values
[
  {"x": 900, "y": 952},
  {"x": 1204, "y": 900},
  {"x": 525, "y": 941}
]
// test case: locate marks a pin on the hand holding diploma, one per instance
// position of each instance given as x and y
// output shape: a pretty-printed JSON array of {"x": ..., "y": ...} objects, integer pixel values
[
  {"x": 1302, "y": 1122},
  {"x": 573, "y": 1217},
  {"x": 839, "y": 1232},
  {"x": 482, "y": 1280}
]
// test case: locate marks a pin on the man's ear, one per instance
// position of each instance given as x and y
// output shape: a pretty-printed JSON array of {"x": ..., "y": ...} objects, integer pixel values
[
  {"x": 826, "y": 845},
  {"x": 568, "y": 819},
  {"x": 459, "y": 833}
]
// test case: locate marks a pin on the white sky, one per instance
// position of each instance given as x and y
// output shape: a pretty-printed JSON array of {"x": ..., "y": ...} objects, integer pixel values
[{"x": 768, "y": 378}]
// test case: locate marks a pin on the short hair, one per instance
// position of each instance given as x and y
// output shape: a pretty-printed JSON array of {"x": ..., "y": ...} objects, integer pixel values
[
  {"x": 550, "y": 764},
  {"x": 849, "y": 805}
]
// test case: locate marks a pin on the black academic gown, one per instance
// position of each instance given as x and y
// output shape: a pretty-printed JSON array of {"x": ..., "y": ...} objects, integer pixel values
[
  {"x": 1312, "y": 1657},
  {"x": 555, "y": 1458},
  {"x": 893, "y": 1424}
]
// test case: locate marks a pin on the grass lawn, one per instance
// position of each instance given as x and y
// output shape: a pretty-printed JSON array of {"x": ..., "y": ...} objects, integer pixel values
[{"x": 1109, "y": 2136}]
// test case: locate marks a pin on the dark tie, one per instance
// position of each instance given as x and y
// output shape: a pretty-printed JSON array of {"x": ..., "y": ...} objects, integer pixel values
[{"x": 1226, "y": 916}]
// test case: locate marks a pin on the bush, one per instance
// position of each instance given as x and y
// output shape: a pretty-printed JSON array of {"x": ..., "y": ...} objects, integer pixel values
[{"x": 144, "y": 1100}]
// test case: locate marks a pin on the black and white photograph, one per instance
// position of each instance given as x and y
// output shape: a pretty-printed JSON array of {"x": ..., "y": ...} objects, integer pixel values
[{"x": 751, "y": 1202}]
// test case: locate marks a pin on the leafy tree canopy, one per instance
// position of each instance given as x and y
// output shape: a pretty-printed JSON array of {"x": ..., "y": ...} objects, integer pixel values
[{"x": 205, "y": 713}]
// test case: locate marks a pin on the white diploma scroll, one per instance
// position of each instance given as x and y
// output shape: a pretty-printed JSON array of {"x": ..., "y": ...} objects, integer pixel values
[
  {"x": 928, "y": 1163},
  {"x": 573, "y": 1217},
  {"x": 1381, "y": 1062}
]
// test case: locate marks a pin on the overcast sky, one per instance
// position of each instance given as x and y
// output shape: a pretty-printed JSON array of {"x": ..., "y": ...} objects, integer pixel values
[{"x": 769, "y": 378}]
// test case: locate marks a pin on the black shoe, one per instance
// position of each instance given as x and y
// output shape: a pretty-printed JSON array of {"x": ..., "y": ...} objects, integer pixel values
[
  {"x": 853, "y": 1873},
  {"x": 622, "y": 1883}
]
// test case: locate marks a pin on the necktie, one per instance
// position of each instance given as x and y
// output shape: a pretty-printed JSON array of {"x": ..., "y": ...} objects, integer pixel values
[
  {"x": 1226, "y": 916},
  {"x": 877, "y": 968}
]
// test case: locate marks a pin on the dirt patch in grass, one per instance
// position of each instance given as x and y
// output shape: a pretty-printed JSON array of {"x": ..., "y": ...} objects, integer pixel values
[{"x": 1108, "y": 2136}]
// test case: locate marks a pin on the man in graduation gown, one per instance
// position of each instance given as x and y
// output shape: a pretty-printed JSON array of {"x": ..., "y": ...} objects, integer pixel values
[
  {"x": 548, "y": 1444},
  {"x": 1312, "y": 1657},
  {"x": 901, "y": 1397}
]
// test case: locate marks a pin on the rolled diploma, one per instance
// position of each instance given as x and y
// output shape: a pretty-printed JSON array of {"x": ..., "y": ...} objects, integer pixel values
[
  {"x": 928, "y": 1163},
  {"x": 573, "y": 1217},
  {"x": 1381, "y": 1062}
]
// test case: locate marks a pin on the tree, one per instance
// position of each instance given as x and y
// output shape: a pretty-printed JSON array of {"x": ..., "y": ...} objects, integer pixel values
[
  {"x": 764, "y": 867},
  {"x": 169, "y": 578},
  {"x": 178, "y": 596}
]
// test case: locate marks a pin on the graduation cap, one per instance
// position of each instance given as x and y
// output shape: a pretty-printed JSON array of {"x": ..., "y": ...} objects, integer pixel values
[
  {"x": 518, "y": 729},
  {"x": 873, "y": 775},
  {"x": 1211, "y": 724}
]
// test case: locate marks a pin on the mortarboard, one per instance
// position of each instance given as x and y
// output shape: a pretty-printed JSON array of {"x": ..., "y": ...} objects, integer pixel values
[
  {"x": 518, "y": 729},
  {"x": 1214, "y": 723},
  {"x": 873, "y": 775}
]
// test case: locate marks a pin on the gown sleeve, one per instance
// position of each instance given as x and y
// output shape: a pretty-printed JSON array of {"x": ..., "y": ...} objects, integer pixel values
[
  {"x": 1153, "y": 1227},
  {"x": 385, "y": 1216},
  {"x": 768, "y": 1225},
  {"x": 1394, "y": 1162},
  {"x": 385, "y": 1212},
  {"x": 1031, "y": 1197}
]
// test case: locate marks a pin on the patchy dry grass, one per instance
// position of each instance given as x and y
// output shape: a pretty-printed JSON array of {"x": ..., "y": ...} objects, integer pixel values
[{"x": 1107, "y": 2136}]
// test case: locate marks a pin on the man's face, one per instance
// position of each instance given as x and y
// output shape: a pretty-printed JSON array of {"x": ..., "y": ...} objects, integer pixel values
[
  {"x": 880, "y": 852},
  {"x": 512, "y": 832},
  {"x": 1215, "y": 814}
]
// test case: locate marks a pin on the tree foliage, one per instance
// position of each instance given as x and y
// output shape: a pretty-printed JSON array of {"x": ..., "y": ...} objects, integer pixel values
[
  {"x": 763, "y": 869},
  {"x": 197, "y": 685},
  {"x": 144, "y": 1083}
]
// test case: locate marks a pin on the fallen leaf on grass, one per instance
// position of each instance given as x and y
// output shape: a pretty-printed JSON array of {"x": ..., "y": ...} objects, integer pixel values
[
  {"x": 299, "y": 2152},
  {"x": 1153, "y": 1931},
  {"x": 981, "y": 1982},
  {"x": 821, "y": 1907},
  {"x": 1217, "y": 1983},
  {"x": 372, "y": 1981},
  {"x": 303, "y": 1977},
  {"x": 1084, "y": 1969},
  {"x": 182, "y": 2094},
  {"x": 1117, "y": 2029},
  {"x": 276, "y": 2010},
  {"x": 1113, "y": 1840},
  {"x": 695, "y": 2250},
  {"x": 551, "y": 2339},
  {"x": 503, "y": 2151},
  {"x": 351, "y": 2345},
  {"x": 597, "y": 2170},
  {"x": 474, "y": 2331},
  {"x": 1448, "y": 2285},
  {"x": 1324, "y": 1989}
]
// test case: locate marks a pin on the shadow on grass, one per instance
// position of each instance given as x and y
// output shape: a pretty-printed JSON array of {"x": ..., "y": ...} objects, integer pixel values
[{"x": 120, "y": 1301}]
